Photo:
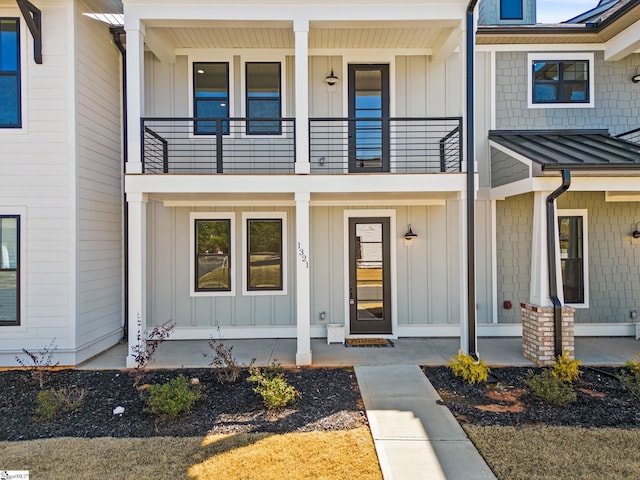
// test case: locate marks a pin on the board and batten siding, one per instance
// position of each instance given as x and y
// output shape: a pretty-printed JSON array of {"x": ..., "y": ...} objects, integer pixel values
[
  {"x": 99, "y": 192},
  {"x": 36, "y": 162}
]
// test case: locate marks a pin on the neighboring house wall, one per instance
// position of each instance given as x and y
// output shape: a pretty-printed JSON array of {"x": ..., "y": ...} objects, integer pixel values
[
  {"x": 617, "y": 103},
  {"x": 99, "y": 193},
  {"x": 37, "y": 166},
  {"x": 489, "y": 13}
]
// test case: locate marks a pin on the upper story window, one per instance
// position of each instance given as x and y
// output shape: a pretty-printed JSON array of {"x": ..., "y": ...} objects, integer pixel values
[
  {"x": 211, "y": 96},
  {"x": 9, "y": 269},
  {"x": 264, "y": 97},
  {"x": 10, "y": 111},
  {"x": 511, "y": 10},
  {"x": 561, "y": 80}
]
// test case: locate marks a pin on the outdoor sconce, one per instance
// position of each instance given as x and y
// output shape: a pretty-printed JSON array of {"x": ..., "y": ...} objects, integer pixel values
[
  {"x": 331, "y": 79},
  {"x": 636, "y": 232},
  {"x": 636, "y": 77},
  {"x": 410, "y": 235}
]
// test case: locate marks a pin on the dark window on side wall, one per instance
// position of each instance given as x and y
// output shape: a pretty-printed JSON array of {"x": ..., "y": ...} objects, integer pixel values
[
  {"x": 9, "y": 270},
  {"x": 210, "y": 96},
  {"x": 10, "y": 109},
  {"x": 264, "y": 254},
  {"x": 510, "y": 9},
  {"x": 264, "y": 99},
  {"x": 560, "y": 81},
  {"x": 572, "y": 258},
  {"x": 213, "y": 255}
]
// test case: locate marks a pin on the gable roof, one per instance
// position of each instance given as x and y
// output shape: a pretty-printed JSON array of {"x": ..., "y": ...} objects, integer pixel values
[{"x": 571, "y": 149}]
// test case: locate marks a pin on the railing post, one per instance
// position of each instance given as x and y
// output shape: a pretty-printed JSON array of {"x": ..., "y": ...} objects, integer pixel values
[
  {"x": 165, "y": 157},
  {"x": 219, "y": 164}
]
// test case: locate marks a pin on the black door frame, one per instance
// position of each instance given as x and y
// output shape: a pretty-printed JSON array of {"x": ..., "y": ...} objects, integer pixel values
[
  {"x": 385, "y": 325},
  {"x": 353, "y": 164}
]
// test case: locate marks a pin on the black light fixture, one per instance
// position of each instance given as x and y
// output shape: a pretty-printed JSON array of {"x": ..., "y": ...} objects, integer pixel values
[
  {"x": 331, "y": 79},
  {"x": 636, "y": 232},
  {"x": 410, "y": 235},
  {"x": 636, "y": 77}
]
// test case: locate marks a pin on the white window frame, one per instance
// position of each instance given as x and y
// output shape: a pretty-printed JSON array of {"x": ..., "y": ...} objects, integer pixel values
[
  {"x": 582, "y": 212},
  {"x": 25, "y": 50},
  {"x": 561, "y": 56},
  {"x": 245, "y": 252},
  {"x": 21, "y": 326},
  {"x": 193, "y": 216}
]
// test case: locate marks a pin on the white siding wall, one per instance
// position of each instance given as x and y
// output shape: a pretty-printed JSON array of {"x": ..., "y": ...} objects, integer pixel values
[
  {"x": 36, "y": 165},
  {"x": 99, "y": 196}
]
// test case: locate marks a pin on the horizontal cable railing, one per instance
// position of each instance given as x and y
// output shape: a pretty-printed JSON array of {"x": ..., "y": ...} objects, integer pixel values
[
  {"x": 400, "y": 145},
  {"x": 218, "y": 145},
  {"x": 631, "y": 136}
]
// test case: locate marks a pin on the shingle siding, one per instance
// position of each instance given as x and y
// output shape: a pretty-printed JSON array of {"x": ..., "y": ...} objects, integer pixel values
[{"x": 506, "y": 169}]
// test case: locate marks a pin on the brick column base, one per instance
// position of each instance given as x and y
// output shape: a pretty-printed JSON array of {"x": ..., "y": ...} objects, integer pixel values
[{"x": 538, "y": 333}]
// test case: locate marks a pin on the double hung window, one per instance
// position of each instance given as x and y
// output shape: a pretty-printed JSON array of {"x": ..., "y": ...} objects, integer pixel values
[
  {"x": 264, "y": 97},
  {"x": 9, "y": 269}
]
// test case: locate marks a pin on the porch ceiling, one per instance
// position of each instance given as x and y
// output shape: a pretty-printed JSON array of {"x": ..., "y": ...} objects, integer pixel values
[
  {"x": 322, "y": 35},
  {"x": 582, "y": 150}
]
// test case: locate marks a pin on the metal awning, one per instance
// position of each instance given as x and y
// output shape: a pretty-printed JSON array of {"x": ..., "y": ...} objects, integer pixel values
[{"x": 571, "y": 149}]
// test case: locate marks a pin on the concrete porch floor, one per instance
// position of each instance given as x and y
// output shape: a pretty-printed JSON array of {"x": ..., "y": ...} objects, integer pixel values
[{"x": 407, "y": 351}]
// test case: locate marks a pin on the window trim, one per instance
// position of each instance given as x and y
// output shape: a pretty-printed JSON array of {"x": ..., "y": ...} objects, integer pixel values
[
  {"x": 193, "y": 216},
  {"x": 282, "y": 216},
  {"x": 18, "y": 74},
  {"x": 247, "y": 99},
  {"x": 253, "y": 58},
  {"x": 18, "y": 270},
  {"x": 194, "y": 101},
  {"x": 582, "y": 212},
  {"x": 502, "y": 17},
  {"x": 561, "y": 57}
]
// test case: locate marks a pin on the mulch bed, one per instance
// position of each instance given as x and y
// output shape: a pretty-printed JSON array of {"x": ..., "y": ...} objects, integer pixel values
[
  {"x": 602, "y": 401},
  {"x": 330, "y": 401}
]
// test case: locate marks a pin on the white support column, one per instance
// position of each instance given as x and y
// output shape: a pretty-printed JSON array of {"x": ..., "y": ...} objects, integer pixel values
[
  {"x": 137, "y": 205},
  {"x": 135, "y": 94},
  {"x": 539, "y": 293},
  {"x": 301, "y": 29},
  {"x": 303, "y": 290}
]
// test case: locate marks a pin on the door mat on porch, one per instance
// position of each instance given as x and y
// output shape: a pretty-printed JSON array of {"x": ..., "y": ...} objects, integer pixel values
[{"x": 368, "y": 342}]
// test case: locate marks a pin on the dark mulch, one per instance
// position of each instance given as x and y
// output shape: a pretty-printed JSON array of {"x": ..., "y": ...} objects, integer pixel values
[
  {"x": 602, "y": 401},
  {"x": 330, "y": 401}
]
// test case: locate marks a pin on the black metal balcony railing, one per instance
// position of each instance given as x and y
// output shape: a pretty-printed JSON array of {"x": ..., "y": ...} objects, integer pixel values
[
  {"x": 336, "y": 145},
  {"x": 632, "y": 136},
  {"x": 399, "y": 145},
  {"x": 215, "y": 145}
]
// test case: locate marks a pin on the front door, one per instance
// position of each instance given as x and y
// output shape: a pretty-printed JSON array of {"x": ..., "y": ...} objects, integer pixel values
[
  {"x": 369, "y": 276},
  {"x": 368, "y": 118}
]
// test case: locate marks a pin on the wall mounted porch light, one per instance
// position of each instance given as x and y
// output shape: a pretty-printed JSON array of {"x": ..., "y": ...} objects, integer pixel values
[
  {"x": 636, "y": 77},
  {"x": 331, "y": 79},
  {"x": 409, "y": 236},
  {"x": 636, "y": 232}
]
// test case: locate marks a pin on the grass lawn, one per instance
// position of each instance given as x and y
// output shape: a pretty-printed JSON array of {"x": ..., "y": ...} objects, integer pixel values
[
  {"x": 543, "y": 452},
  {"x": 347, "y": 454}
]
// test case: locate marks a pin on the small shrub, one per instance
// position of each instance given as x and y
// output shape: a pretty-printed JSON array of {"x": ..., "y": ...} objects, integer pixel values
[
  {"x": 147, "y": 344},
  {"x": 550, "y": 389},
  {"x": 468, "y": 368},
  {"x": 274, "y": 389},
  {"x": 52, "y": 401},
  {"x": 226, "y": 367},
  {"x": 39, "y": 363},
  {"x": 631, "y": 379},
  {"x": 172, "y": 398},
  {"x": 634, "y": 365},
  {"x": 566, "y": 369}
]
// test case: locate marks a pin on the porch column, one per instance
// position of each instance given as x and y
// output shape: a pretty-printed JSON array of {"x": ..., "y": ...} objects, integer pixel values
[
  {"x": 137, "y": 205},
  {"x": 135, "y": 93},
  {"x": 301, "y": 29},
  {"x": 303, "y": 291}
]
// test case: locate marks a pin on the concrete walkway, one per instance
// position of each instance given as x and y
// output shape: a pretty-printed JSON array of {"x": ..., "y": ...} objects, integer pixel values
[{"x": 415, "y": 438}]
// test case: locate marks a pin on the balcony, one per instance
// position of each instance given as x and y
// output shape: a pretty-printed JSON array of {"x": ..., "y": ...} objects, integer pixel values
[{"x": 268, "y": 145}]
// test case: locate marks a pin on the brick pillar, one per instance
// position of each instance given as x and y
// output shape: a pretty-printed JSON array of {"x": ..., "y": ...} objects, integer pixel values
[{"x": 538, "y": 333}]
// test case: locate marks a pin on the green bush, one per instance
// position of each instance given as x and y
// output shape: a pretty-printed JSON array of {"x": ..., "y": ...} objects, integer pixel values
[
  {"x": 273, "y": 387},
  {"x": 52, "y": 401},
  {"x": 172, "y": 398},
  {"x": 566, "y": 369},
  {"x": 468, "y": 368},
  {"x": 631, "y": 379},
  {"x": 549, "y": 388}
]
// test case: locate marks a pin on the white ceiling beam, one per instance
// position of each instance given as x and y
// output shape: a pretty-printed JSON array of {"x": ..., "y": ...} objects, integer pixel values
[
  {"x": 623, "y": 44},
  {"x": 160, "y": 46},
  {"x": 447, "y": 46}
]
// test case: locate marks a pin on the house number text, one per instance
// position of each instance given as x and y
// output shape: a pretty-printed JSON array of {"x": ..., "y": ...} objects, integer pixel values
[{"x": 302, "y": 255}]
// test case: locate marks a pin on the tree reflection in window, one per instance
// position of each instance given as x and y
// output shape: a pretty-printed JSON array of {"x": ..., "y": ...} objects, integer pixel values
[
  {"x": 213, "y": 255},
  {"x": 264, "y": 266}
]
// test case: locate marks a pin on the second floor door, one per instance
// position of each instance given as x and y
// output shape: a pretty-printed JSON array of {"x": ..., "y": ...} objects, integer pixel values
[{"x": 369, "y": 118}]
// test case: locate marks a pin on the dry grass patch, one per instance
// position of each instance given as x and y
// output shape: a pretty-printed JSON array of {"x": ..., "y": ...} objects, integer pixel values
[
  {"x": 348, "y": 454},
  {"x": 544, "y": 452}
]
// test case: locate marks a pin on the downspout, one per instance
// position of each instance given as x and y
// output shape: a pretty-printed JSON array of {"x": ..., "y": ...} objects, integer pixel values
[
  {"x": 471, "y": 204},
  {"x": 117, "y": 33},
  {"x": 551, "y": 259}
]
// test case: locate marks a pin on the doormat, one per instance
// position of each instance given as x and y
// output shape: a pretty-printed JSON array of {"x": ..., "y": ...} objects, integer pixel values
[{"x": 368, "y": 342}]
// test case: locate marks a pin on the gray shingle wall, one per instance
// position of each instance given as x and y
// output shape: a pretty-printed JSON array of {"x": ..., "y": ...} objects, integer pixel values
[
  {"x": 489, "y": 13},
  {"x": 614, "y": 258},
  {"x": 506, "y": 169},
  {"x": 617, "y": 99},
  {"x": 514, "y": 218}
]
